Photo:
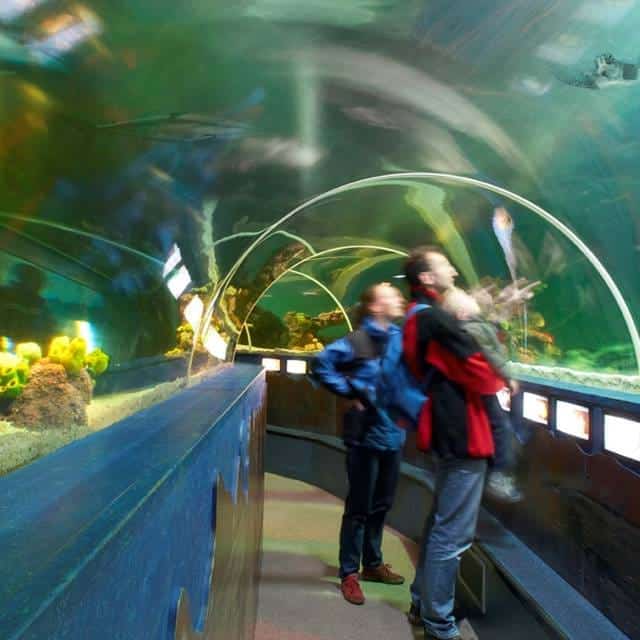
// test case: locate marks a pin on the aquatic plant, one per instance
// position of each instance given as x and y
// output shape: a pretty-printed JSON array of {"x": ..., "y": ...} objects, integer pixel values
[
  {"x": 303, "y": 329},
  {"x": 184, "y": 341},
  {"x": 267, "y": 329}
]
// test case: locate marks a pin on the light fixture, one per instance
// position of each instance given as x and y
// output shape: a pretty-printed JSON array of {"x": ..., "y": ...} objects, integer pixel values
[
  {"x": 85, "y": 330},
  {"x": 573, "y": 419},
  {"x": 178, "y": 282},
  {"x": 193, "y": 312},
  {"x": 622, "y": 436},
  {"x": 299, "y": 367},
  {"x": 215, "y": 344},
  {"x": 535, "y": 408},
  {"x": 172, "y": 261},
  {"x": 271, "y": 364}
]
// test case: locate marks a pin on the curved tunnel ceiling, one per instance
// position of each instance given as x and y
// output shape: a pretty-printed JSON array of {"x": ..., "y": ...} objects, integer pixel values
[
  {"x": 429, "y": 201},
  {"x": 131, "y": 128}
]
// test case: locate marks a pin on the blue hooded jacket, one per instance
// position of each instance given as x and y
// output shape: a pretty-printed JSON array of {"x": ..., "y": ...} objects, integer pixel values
[{"x": 382, "y": 434}]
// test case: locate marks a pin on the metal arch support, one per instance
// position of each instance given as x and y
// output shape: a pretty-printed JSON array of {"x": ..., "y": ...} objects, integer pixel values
[
  {"x": 455, "y": 179},
  {"x": 304, "y": 275},
  {"x": 319, "y": 254}
]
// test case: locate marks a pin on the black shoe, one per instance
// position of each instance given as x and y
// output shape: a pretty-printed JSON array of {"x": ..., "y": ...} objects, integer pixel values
[{"x": 414, "y": 615}]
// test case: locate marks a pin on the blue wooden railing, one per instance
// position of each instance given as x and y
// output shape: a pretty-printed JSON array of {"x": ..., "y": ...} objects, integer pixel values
[{"x": 103, "y": 538}]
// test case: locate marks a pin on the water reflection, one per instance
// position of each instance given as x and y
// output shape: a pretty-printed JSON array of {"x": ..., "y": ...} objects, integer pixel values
[{"x": 24, "y": 313}]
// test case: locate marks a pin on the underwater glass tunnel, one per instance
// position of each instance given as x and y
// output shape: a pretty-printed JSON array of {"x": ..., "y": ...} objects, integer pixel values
[{"x": 183, "y": 181}]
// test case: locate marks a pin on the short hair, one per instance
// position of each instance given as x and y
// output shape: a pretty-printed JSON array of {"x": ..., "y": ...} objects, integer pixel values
[
  {"x": 418, "y": 263},
  {"x": 367, "y": 298}
]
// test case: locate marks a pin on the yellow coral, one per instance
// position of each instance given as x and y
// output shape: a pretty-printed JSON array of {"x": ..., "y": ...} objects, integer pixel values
[
  {"x": 69, "y": 353},
  {"x": 12, "y": 375},
  {"x": 57, "y": 348},
  {"x": 97, "y": 362},
  {"x": 13, "y": 389},
  {"x": 8, "y": 364},
  {"x": 23, "y": 371},
  {"x": 29, "y": 351}
]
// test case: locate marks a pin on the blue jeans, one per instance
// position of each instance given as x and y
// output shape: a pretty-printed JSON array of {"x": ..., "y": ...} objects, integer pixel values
[
  {"x": 373, "y": 478},
  {"x": 503, "y": 434},
  {"x": 448, "y": 533}
]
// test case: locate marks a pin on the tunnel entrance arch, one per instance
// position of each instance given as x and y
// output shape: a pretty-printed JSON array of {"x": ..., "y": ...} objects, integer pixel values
[
  {"x": 319, "y": 254},
  {"x": 408, "y": 179}
]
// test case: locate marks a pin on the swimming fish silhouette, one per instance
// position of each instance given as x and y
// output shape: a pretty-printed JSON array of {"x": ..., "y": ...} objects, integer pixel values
[
  {"x": 608, "y": 71},
  {"x": 503, "y": 228}
]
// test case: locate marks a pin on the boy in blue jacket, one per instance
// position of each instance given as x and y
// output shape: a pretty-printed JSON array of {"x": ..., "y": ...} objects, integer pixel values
[{"x": 350, "y": 367}]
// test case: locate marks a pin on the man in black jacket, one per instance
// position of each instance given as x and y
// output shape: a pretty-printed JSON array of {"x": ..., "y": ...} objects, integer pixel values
[{"x": 454, "y": 424}]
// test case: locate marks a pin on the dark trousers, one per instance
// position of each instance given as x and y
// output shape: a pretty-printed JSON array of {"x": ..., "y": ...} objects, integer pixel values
[
  {"x": 373, "y": 478},
  {"x": 503, "y": 435}
]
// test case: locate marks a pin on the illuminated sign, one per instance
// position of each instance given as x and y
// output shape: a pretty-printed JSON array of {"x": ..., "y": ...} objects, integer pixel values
[
  {"x": 504, "y": 399},
  {"x": 271, "y": 364},
  {"x": 573, "y": 419},
  {"x": 535, "y": 407},
  {"x": 622, "y": 436},
  {"x": 297, "y": 367}
]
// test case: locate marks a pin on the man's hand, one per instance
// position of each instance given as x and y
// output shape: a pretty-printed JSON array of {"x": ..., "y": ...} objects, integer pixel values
[
  {"x": 514, "y": 385},
  {"x": 356, "y": 404}
]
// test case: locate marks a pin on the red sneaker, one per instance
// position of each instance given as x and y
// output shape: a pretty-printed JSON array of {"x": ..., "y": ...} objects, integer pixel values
[{"x": 351, "y": 590}]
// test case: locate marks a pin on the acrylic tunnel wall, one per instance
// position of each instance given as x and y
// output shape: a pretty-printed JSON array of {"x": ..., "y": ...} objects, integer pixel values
[
  {"x": 183, "y": 183},
  {"x": 156, "y": 179}
]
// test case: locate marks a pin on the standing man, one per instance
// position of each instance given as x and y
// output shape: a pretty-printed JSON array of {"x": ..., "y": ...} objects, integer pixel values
[
  {"x": 454, "y": 424},
  {"x": 350, "y": 367}
]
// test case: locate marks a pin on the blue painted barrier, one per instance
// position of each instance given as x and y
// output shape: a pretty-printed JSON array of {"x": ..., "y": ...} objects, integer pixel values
[{"x": 101, "y": 538}]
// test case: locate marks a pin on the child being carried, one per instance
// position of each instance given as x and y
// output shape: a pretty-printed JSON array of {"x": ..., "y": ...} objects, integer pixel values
[{"x": 500, "y": 481}]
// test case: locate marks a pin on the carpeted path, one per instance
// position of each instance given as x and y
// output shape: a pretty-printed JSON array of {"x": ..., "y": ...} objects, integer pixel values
[{"x": 299, "y": 593}]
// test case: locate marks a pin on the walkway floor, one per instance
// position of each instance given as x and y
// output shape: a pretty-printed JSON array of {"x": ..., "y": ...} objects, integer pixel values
[{"x": 299, "y": 592}]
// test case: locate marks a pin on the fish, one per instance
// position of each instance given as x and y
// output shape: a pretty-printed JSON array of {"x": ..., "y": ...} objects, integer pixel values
[
  {"x": 503, "y": 226},
  {"x": 608, "y": 71}
]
